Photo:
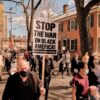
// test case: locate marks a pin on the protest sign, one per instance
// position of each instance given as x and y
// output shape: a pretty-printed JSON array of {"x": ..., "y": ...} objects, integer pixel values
[{"x": 45, "y": 37}]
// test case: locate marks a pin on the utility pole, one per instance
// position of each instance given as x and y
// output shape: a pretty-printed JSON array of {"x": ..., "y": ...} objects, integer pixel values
[
  {"x": 10, "y": 12},
  {"x": 11, "y": 21},
  {"x": 10, "y": 31}
]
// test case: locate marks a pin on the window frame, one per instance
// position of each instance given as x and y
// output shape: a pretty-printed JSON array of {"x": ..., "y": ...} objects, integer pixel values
[
  {"x": 65, "y": 44},
  {"x": 72, "y": 25},
  {"x": 99, "y": 44},
  {"x": 99, "y": 20},
  {"x": 73, "y": 44},
  {"x": 91, "y": 20},
  {"x": 61, "y": 27}
]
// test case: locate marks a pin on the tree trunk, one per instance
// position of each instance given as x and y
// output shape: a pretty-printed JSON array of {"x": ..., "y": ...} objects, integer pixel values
[
  {"x": 85, "y": 39},
  {"x": 82, "y": 13},
  {"x": 28, "y": 41},
  {"x": 30, "y": 35},
  {"x": 28, "y": 29}
]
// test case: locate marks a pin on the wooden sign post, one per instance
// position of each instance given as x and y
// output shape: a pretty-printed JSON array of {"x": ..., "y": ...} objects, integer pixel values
[{"x": 43, "y": 69}]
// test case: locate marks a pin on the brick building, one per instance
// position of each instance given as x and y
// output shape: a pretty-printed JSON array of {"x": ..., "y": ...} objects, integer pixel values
[
  {"x": 18, "y": 41},
  {"x": 2, "y": 25},
  {"x": 69, "y": 32}
]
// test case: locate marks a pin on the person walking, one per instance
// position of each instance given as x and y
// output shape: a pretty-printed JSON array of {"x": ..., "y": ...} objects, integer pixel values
[
  {"x": 68, "y": 62},
  {"x": 47, "y": 73},
  {"x": 80, "y": 85},
  {"x": 93, "y": 66},
  {"x": 1, "y": 65},
  {"x": 47, "y": 78},
  {"x": 74, "y": 64},
  {"x": 23, "y": 85},
  {"x": 61, "y": 70}
]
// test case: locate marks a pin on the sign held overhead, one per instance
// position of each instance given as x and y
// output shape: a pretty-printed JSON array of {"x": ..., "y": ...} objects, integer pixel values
[{"x": 45, "y": 37}]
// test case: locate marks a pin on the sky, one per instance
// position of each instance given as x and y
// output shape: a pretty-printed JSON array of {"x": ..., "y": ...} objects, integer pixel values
[{"x": 18, "y": 19}]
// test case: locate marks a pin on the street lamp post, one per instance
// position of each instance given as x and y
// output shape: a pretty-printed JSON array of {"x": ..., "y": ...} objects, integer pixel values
[{"x": 10, "y": 12}]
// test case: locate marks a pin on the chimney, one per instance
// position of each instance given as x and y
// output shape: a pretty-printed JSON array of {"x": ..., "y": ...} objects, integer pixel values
[{"x": 65, "y": 8}]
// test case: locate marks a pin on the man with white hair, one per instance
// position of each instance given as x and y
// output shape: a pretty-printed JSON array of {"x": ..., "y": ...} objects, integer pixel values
[{"x": 23, "y": 85}]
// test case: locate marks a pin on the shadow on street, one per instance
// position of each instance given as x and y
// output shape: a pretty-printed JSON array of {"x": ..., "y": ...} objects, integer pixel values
[
  {"x": 60, "y": 93},
  {"x": 59, "y": 87}
]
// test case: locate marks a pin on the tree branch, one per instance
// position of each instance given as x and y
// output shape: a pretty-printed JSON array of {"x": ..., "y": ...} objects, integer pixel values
[
  {"x": 24, "y": 7},
  {"x": 28, "y": 4},
  {"x": 39, "y": 2},
  {"x": 90, "y": 5},
  {"x": 12, "y": 1}
]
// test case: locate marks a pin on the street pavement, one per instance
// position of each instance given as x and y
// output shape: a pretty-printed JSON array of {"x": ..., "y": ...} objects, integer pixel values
[
  {"x": 59, "y": 88},
  {"x": 2, "y": 83}
]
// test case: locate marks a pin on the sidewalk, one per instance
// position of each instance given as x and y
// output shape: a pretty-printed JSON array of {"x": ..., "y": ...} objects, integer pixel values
[
  {"x": 60, "y": 89},
  {"x": 2, "y": 83}
]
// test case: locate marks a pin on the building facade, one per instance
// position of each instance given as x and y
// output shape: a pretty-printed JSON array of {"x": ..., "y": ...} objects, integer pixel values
[
  {"x": 18, "y": 42},
  {"x": 69, "y": 29},
  {"x": 3, "y": 26}
]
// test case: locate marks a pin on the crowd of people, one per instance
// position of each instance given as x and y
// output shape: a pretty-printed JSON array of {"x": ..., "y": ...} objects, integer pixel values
[
  {"x": 86, "y": 74},
  {"x": 23, "y": 75},
  {"x": 25, "y": 78}
]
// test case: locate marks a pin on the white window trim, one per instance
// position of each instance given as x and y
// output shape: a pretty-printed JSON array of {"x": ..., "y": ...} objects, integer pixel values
[
  {"x": 98, "y": 19},
  {"x": 70, "y": 44},
  {"x": 64, "y": 40},
  {"x": 70, "y": 25},
  {"x": 61, "y": 27}
]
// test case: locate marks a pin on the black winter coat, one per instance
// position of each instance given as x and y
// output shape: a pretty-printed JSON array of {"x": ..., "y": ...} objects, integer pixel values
[{"x": 16, "y": 89}]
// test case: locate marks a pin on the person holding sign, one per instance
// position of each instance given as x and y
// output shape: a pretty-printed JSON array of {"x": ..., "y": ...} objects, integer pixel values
[
  {"x": 47, "y": 73},
  {"x": 47, "y": 78},
  {"x": 45, "y": 42}
]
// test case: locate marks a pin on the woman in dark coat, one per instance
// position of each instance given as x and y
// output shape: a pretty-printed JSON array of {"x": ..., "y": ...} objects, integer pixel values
[{"x": 91, "y": 76}]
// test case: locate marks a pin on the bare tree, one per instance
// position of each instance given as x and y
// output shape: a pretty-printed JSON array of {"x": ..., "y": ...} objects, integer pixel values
[
  {"x": 47, "y": 9},
  {"x": 82, "y": 13},
  {"x": 29, "y": 10}
]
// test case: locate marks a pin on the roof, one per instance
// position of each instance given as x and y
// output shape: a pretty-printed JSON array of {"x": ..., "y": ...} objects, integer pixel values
[
  {"x": 70, "y": 13},
  {"x": 67, "y": 14}
]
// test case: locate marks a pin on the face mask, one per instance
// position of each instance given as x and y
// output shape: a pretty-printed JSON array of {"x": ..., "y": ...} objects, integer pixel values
[
  {"x": 87, "y": 71},
  {"x": 23, "y": 73}
]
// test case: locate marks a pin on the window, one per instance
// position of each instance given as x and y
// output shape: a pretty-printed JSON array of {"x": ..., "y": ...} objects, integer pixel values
[
  {"x": 92, "y": 43},
  {"x": 91, "y": 20},
  {"x": 61, "y": 27},
  {"x": 68, "y": 44},
  {"x": 73, "y": 45},
  {"x": 59, "y": 45},
  {"x": 72, "y": 24},
  {"x": 99, "y": 20},
  {"x": 99, "y": 45},
  {"x": 64, "y": 42}
]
